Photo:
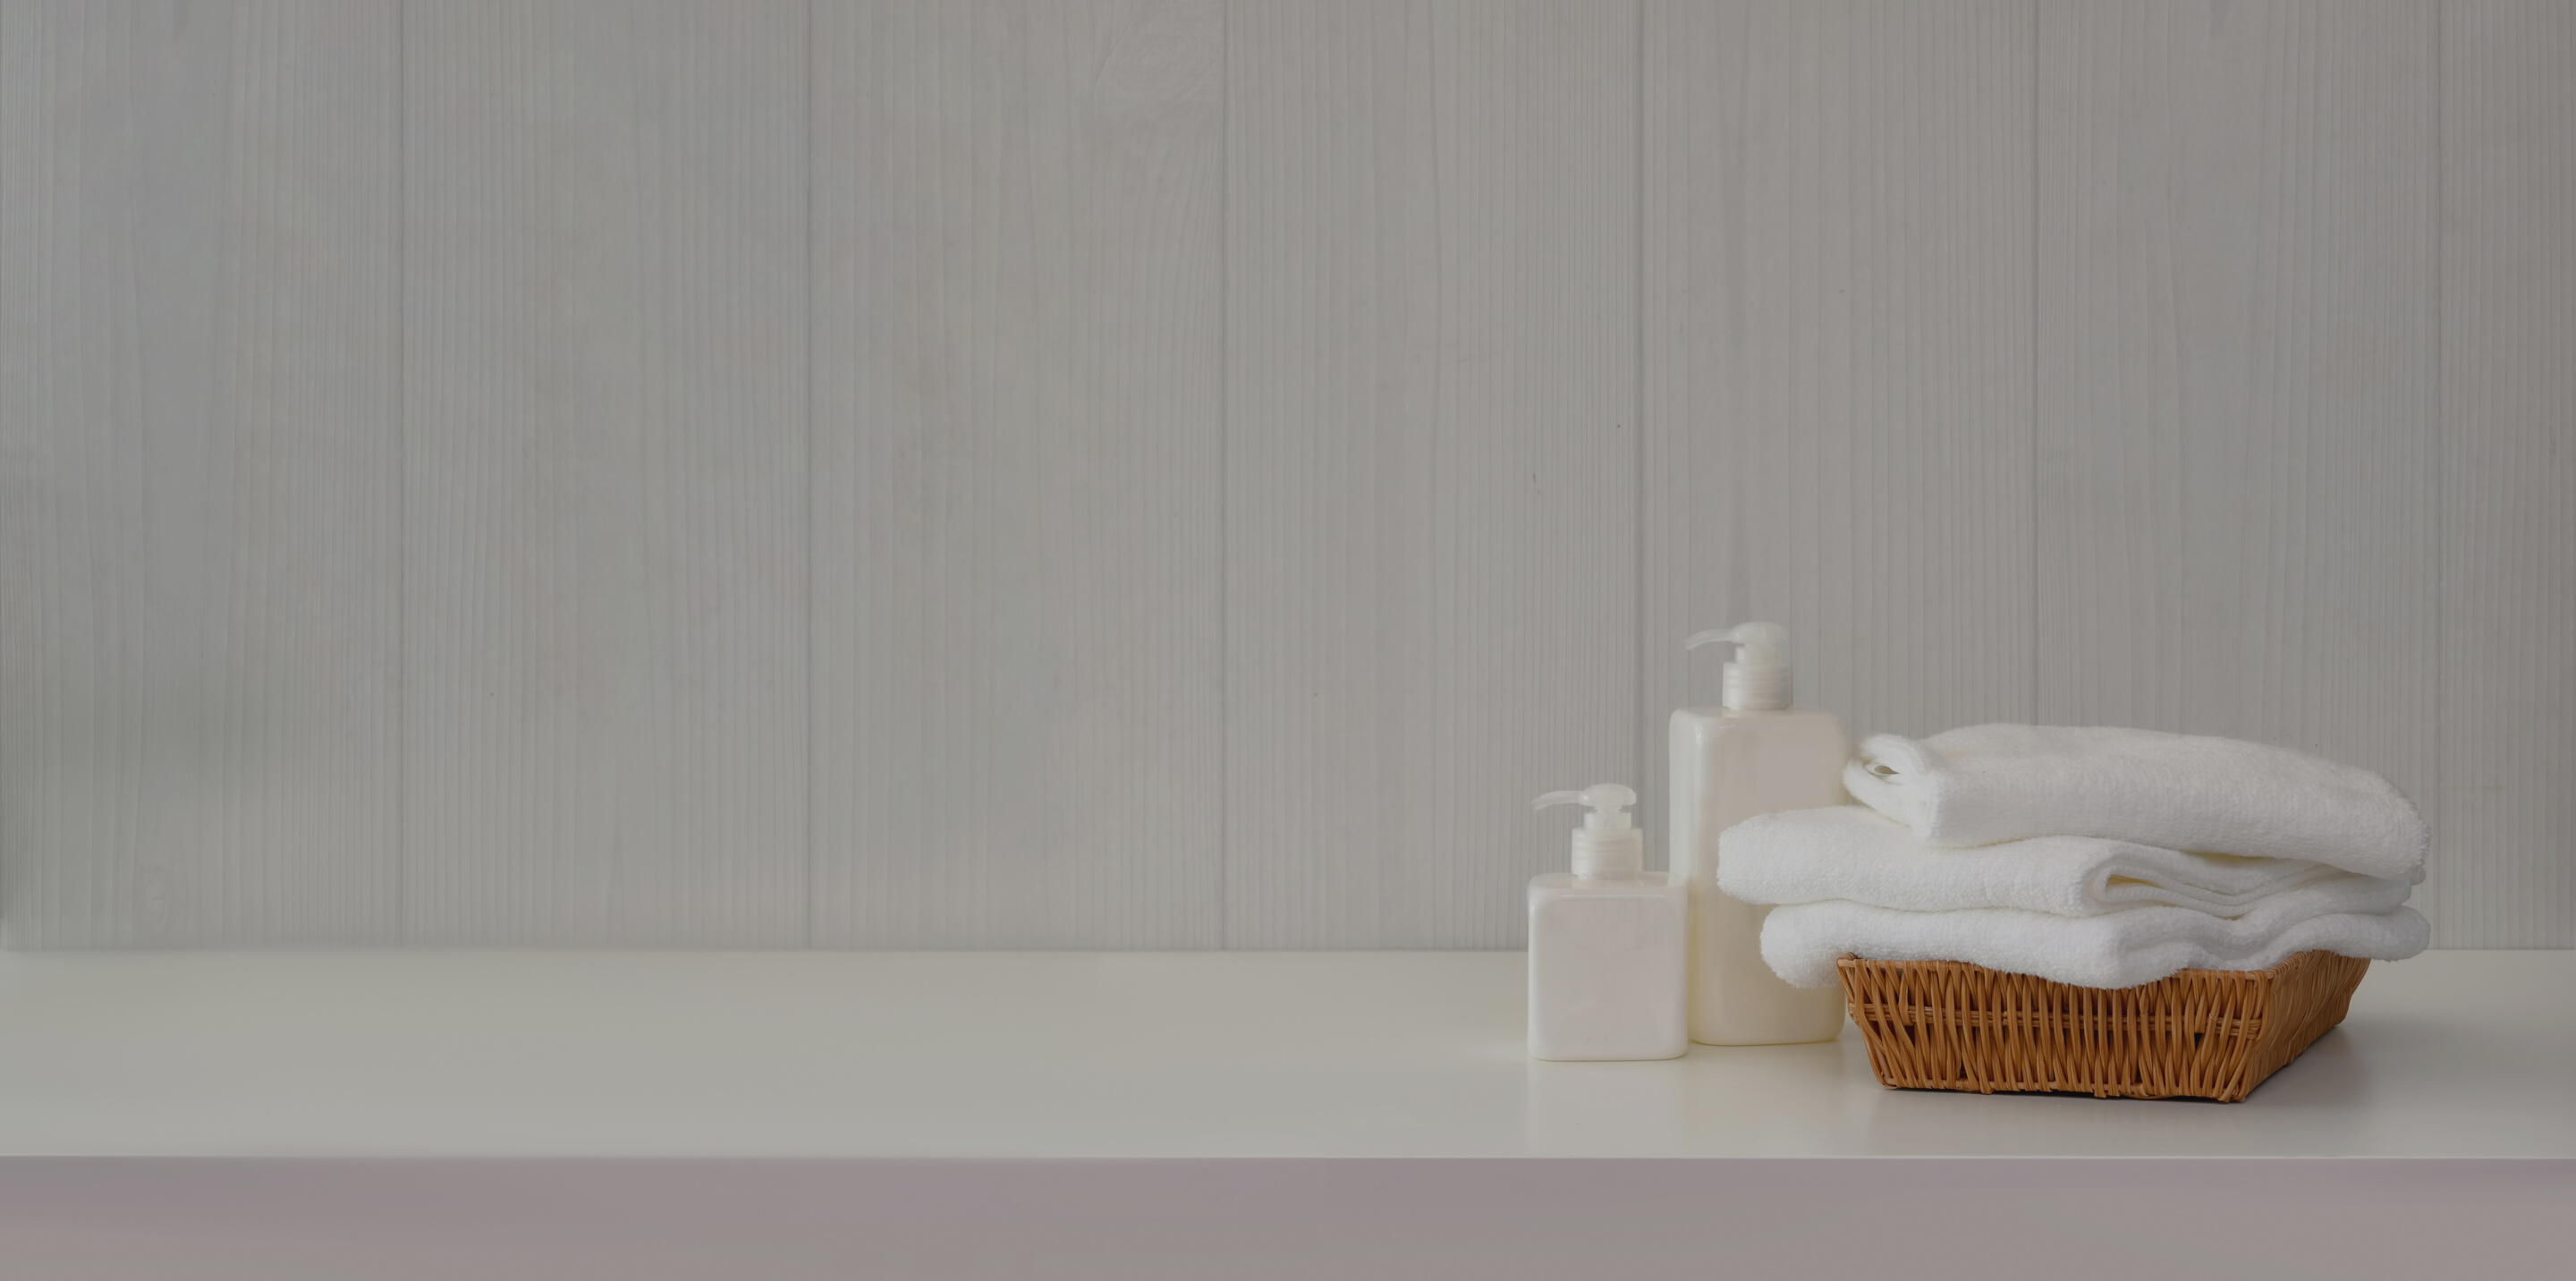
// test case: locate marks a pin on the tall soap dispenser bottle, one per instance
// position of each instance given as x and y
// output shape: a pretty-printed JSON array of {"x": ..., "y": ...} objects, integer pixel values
[
  {"x": 1754, "y": 755},
  {"x": 1607, "y": 943}
]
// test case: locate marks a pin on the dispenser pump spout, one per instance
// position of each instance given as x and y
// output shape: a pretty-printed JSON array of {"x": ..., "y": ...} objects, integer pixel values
[
  {"x": 1758, "y": 679},
  {"x": 1606, "y": 844}
]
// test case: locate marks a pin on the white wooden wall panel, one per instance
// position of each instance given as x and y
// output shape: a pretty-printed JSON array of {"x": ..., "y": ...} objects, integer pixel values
[
  {"x": 604, "y": 497},
  {"x": 1333, "y": 755},
  {"x": 1181, "y": 473},
  {"x": 2507, "y": 876},
  {"x": 1018, "y": 475},
  {"x": 198, "y": 469},
  {"x": 1836, "y": 355},
  {"x": 2236, "y": 374},
  {"x": 1431, "y": 459}
]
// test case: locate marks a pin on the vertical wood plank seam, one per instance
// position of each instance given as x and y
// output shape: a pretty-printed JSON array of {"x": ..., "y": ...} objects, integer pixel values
[
  {"x": 1641, "y": 735},
  {"x": 1224, "y": 462},
  {"x": 1443, "y": 802},
  {"x": 2439, "y": 789},
  {"x": 142, "y": 872},
  {"x": 9, "y": 884},
  {"x": 402, "y": 471},
  {"x": 807, "y": 274}
]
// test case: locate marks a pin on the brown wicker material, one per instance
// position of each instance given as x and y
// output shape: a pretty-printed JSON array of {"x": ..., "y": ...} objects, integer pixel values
[{"x": 2212, "y": 1034}]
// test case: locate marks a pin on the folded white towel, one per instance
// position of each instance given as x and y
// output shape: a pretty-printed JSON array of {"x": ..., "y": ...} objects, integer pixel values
[
  {"x": 1989, "y": 783},
  {"x": 2117, "y": 949},
  {"x": 1849, "y": 852}
]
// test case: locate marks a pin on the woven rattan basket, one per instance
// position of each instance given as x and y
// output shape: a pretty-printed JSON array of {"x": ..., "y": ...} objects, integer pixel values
[{"x": 2211, "y": 1034}]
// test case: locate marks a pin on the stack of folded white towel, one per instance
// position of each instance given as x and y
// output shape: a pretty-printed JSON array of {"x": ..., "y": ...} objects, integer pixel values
[{"x": 2097, "y": 857}]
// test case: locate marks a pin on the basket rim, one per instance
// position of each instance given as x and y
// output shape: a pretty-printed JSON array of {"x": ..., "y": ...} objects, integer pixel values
[{"x": 2313, "y": 956}]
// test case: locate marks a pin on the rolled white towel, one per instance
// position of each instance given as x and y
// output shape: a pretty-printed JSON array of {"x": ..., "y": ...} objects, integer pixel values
[
  {"x": 1989, "y": 783},
  {"x": 2114, "y": 950},
  {"x": 1850, "y": 852}
]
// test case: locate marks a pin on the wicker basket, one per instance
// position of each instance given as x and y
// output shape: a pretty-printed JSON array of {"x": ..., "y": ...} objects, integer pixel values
[{"x": 2212, "y": 1034}]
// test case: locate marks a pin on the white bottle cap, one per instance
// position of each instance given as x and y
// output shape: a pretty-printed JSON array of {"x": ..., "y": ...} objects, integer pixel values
[
  {"x": 1605, "y": 845},
  {"x": 1758, "y": 678}
]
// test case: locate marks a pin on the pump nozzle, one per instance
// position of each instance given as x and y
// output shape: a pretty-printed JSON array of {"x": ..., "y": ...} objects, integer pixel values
[
  {"x": 1609, "y": 802},
  {"x": 1763, "y": 642},
  {"x": 1758, "y": 678},
  {"x": 1607, "y": 845}
]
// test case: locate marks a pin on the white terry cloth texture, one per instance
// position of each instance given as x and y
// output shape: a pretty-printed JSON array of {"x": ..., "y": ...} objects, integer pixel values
[
  {"x": 2114, "y": 950},
  {"x": 1989, "y": 783},
  {"x": 1850, "y": 852}
]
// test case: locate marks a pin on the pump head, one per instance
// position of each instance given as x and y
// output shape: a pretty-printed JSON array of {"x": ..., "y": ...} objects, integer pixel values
[
  {"x": 1606, "y": 845},
  {"x": 1758, "y": 679}
]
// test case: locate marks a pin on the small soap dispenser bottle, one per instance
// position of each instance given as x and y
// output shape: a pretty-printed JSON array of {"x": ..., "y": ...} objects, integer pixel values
[
  {"x": 1607, "y": 943},
  {"x": 1755, "y": 754}
]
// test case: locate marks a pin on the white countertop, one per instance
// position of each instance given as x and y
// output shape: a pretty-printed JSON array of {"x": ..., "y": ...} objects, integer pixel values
[{"x": 1050, "y": 1055}]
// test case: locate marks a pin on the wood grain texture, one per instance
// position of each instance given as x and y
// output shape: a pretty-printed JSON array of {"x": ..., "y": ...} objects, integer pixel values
[
  {"x": 1018, "y": 474},
  {"x": 198, "y": 343},
  {"x": 1837, "y": 355},
  {"x": 1182, "y": 473},
  {"x": 2506, "y": 875},
  {"x": 1431, "y": 467},
  {"x": 2236, "y": 374},
  {"x": 605, "y": 528}
]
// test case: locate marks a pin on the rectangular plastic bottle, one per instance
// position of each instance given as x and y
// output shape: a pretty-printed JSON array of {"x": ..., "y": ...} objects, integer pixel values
[
  {"x": 1756, "y": 754},
  {"x": 1607, "y": 944}
]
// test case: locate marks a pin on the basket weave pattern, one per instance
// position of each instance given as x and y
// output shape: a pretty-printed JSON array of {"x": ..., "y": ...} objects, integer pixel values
[{"x": 2213, "y": 1034}]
